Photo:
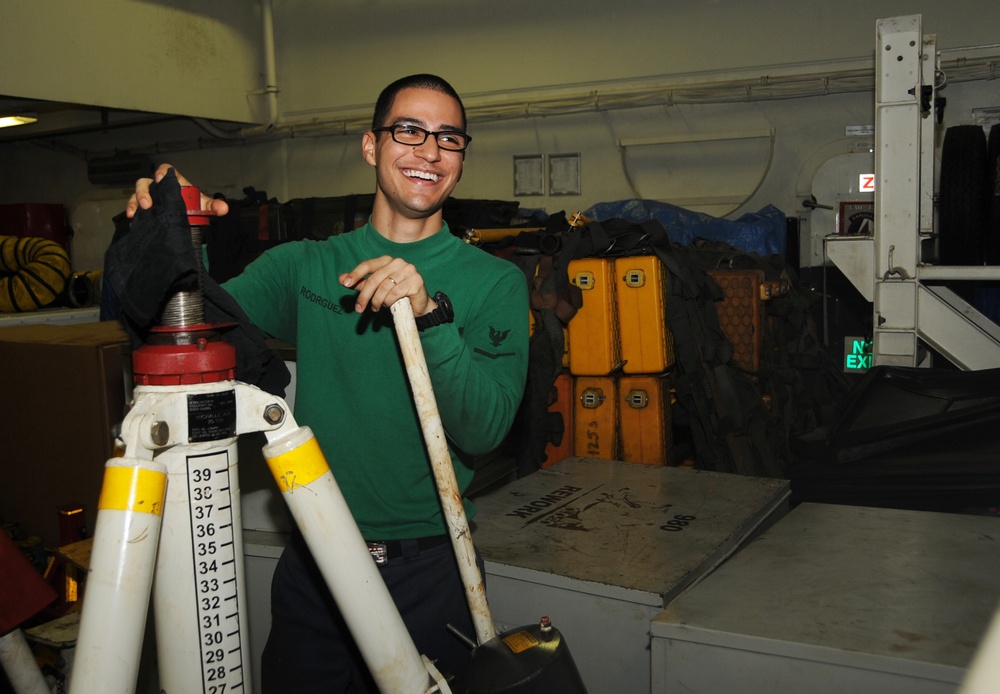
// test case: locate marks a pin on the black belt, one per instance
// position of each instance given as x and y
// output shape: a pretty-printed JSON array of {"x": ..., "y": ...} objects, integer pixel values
[{"x": 384, "y": 550}]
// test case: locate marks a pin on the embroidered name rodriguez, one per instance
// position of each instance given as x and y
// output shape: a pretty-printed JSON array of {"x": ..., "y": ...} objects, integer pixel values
[{"x": 315, "y": 298}]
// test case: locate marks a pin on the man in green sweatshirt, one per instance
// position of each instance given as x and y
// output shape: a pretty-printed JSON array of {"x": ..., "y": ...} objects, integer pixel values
[{"x": 330, "y": 299}]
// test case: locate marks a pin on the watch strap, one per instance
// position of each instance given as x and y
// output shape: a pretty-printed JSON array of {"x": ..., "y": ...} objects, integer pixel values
[{"x": 443, "y": 313}]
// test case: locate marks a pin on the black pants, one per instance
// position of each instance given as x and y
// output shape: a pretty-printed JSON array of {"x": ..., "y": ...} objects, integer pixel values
[{"x": 310, "y": 650}]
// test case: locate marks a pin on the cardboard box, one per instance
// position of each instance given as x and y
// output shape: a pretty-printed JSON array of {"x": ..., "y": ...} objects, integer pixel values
[{"x": 65, "y": 388}]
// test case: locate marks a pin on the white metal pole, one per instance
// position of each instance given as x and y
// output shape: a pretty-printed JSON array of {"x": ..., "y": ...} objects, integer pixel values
[
  {"x": 118, "y": 585},
  {"x": 444, "y": 472},
  {"x": 332, "y": 535},
  {"x": 20, "y": 665}
]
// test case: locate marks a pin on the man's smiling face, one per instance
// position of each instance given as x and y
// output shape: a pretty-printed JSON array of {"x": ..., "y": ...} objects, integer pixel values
[{"x": 414, "y": 181}]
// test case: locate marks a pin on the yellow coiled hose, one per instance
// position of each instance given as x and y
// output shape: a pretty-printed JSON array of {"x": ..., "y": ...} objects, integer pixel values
[{"x": 33, "y": 272}]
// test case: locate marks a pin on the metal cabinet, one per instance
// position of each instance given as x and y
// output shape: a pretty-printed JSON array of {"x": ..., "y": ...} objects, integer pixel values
[
  {"x": 836, "y": 599},
  {"x": 602, "y": 546}
]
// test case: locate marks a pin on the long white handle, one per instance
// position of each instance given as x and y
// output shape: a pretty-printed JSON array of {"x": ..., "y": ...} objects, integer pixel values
[{"x": 444, "y": 473}]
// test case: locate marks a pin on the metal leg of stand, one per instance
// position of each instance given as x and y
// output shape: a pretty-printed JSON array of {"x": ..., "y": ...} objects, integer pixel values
[
  {"x": 322, "y": 515},
  {"x": 19, "y": 664},
  {"x": 118, "y": 586}
]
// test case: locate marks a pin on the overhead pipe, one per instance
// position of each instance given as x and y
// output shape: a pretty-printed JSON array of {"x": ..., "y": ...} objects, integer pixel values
[
  {"x": 270, "y": 86},
  {"x": 762, "y": 88}
]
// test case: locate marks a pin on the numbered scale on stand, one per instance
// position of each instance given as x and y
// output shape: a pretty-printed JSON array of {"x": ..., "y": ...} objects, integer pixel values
[
  {"x": 199, "y": 566},
  {"x": 213, "y": 544}
]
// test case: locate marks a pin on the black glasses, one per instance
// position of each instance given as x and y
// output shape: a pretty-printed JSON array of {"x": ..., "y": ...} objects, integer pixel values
[{"x": 404, "y": 134}]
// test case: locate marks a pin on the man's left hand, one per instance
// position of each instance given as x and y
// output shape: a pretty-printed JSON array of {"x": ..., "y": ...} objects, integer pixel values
[{"x": 381, "y": 282}]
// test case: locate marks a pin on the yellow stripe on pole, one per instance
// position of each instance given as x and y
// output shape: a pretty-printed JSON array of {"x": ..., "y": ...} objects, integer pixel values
[
  {"x": 299, "y": 466},
  {"x": 133, "y": 489}
]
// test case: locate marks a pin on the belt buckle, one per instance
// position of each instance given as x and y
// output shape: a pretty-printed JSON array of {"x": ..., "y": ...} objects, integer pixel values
[{"x": 379, "y": 552}]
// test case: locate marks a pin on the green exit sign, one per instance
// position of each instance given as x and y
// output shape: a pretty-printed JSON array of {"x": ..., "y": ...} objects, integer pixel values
[{"x": 857, "y": 354}]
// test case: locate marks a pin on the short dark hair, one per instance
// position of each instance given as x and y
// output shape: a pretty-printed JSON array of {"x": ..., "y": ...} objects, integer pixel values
[{"x": 423, "y": 81}]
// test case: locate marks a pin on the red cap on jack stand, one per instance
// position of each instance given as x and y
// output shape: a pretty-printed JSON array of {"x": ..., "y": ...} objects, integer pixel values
[
  {"x": 192, "y": 200},
  {"x": 174, "y": 365}
]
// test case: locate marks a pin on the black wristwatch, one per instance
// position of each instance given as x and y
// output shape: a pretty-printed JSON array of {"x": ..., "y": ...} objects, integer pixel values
[{"x": 444, "y": 313}]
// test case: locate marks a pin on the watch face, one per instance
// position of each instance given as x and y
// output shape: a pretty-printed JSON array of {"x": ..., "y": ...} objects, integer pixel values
[
  {"x": 857, "y": 218},
  {"x": 445, "y": 307}
]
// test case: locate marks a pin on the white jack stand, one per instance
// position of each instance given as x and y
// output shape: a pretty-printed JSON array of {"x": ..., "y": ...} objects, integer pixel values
[{"x": 169, "y": 525}]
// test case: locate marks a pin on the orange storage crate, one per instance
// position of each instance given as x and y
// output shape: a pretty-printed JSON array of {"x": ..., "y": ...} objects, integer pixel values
[
  {"x": 647, "y": 345},
  {"x": 644, "y": 412},
  {"x": 740, "y": 314},
  {"x": 594, "y": 348},
  {"x": 595, "y": 417}
]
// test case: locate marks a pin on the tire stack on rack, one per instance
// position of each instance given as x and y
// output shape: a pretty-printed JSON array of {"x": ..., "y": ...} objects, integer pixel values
[{"x": 969, "y": 209}]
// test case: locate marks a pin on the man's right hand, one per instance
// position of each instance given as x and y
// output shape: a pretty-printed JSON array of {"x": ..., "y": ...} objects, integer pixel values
[{"x": 141, "y": 197}]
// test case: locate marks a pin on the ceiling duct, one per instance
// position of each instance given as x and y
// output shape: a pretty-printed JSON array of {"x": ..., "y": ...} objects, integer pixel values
[{"x": 119, "y": 170}]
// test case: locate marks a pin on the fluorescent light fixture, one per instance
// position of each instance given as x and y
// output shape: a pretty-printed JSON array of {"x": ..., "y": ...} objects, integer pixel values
[{"x": 22, "y": 119}]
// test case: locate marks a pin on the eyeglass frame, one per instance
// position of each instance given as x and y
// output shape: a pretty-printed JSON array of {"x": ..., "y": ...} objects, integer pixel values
[{"x": 391, "y": 129}]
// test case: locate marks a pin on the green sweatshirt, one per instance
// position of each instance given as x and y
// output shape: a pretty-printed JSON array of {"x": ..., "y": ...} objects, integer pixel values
[{"x": 352, "y": 388}]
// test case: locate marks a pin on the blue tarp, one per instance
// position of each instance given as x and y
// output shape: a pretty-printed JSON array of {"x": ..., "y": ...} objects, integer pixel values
[{"x": 760, "y": 232}]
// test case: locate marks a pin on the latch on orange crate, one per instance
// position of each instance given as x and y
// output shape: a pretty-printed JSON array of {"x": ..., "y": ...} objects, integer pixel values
[{"x": 770, "y": 289}]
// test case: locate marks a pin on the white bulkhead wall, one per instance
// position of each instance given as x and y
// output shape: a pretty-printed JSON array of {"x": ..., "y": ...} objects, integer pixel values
[{"x": 726, "y": 130}]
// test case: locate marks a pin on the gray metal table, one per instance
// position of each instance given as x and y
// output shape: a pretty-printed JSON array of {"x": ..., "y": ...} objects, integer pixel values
[
  {"x": 602, "y": 546},
  {"x": 835, "y": 599}
]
